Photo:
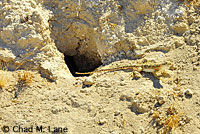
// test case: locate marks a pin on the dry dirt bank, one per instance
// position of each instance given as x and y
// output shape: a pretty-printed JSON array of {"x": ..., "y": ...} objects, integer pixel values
[{"x": 38, "y": 38}]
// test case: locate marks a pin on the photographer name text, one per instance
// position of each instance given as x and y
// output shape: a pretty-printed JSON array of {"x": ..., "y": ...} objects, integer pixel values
[{"x": 32, "y": 129}]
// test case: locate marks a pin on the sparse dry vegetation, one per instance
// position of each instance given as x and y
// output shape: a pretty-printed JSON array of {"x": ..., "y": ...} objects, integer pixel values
[
  {"x": 191, "y": 2},
  {"x": 25, "y": 78},
  {"x": 3, "y": 80},
  {"x": 167, "y": 121},
  {"x": 3, "y": 77}
]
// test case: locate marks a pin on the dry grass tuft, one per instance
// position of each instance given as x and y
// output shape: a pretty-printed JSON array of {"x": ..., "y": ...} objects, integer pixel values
[
  {"x": 3, "y": 78},
  {"x": 3, "y": 81},
  {"x": 167, "y": 121},
  {"x": 171, "y": 123},
  {"x": 26, "y": 78}
]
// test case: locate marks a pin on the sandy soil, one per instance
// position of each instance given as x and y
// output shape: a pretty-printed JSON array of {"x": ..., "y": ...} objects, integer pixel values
[
  {"x": 39, "y": 35},
  {"x": 109, "y": 102}
]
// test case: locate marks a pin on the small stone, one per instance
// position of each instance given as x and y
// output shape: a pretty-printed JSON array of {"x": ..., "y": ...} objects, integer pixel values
[
  {"x": 102, "y": 121},
  {"x": 88, "y": 82},
  {"x": 145, "y": 17},
  {"x": 142, "y": 110},
  {"x": 180, "y": 28},
  {"x": 121, "y": 78},
  {"x": 106, "y": 85},
  {"x": 198, "y": 115},
  {"x": 137, "y": 75},
  {"x": 122, "y": 83},
  {"x": 161, "y": 100},
  {"x": 195, "y": 68},
  {"x": 167, "y": 73},
  {"x": 85, "y": 90},
  {"x": 55, "y": 110},
  {"x": 187, "y": 119},
  {"x": 188, "y": 93},
  {"x": 178, "y": 41},
  {"x": 182, "y": 82},
  {"x": 117, "y": 113},
  {"x": 7, "y": 55},
  {"x": 112, "y": 132},
  {"x": 176, "y": 88}
]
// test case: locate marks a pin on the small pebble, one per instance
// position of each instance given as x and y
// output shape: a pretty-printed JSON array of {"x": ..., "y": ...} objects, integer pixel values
[
  {"x": 161, "y": 100},
  {"x": 188, "y": 93},
  {"x": 195, "y": 68},
  {"x": 88, "y": 82},
  {"x": 117, "y": 113},
  {"x": 145, "y": 17},
  {"x": 102, "y": 121},
  {"x": 177, "y": 89},
  {"x": 121, "y": 78},
  {"x": 122, "y": 83}
]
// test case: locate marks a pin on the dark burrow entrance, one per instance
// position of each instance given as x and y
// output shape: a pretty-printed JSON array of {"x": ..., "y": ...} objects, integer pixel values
[{"x": 81, "y": 63}]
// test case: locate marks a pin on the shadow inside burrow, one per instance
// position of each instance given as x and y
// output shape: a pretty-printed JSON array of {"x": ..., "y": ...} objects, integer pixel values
[{"x": 75, "y": 68}]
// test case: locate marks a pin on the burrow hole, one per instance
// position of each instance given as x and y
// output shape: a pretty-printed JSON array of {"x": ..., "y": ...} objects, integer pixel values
[{"x": 81, "y": 63}]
